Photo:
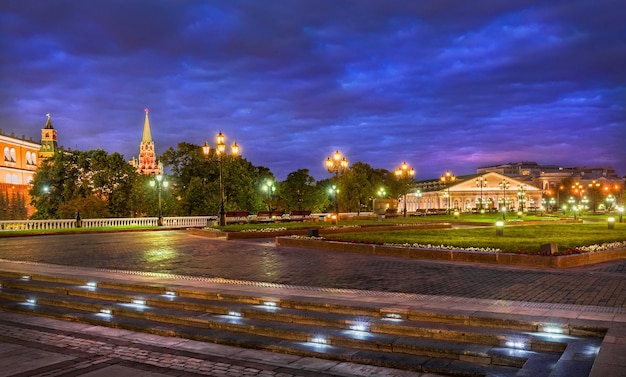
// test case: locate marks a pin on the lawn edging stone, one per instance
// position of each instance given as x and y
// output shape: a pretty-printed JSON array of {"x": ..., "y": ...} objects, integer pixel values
[{"x": 498, "y": 258}]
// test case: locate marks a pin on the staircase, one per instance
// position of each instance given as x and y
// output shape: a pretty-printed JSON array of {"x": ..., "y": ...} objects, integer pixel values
[{"x": 440, "y": 343}]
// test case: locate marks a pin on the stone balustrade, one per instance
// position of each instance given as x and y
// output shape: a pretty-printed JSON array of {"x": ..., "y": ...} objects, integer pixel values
[{"x": 175, "y": 222}]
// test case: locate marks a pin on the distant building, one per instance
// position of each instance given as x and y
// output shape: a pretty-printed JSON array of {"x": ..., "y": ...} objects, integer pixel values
[
  {"x": 49, "y": 144},
  {"x": 551, "y": 178},
  {"x": 20, "y": 160},
  {"x": 470, "y": 193},
  {"x": 147, "y": 163}
]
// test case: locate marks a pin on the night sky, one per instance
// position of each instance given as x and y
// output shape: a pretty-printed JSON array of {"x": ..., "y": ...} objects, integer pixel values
[{"x": 439, "y": 84}]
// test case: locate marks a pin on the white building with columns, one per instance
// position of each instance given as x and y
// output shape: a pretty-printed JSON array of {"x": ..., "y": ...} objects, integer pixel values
[{"x": 489, "y": 191}]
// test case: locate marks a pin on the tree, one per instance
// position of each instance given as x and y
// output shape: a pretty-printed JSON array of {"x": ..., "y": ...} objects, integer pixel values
[
  {"x": 196, "y": 183},
  {"x": 70, "y": 176},
  {"x": 299, "y": 191}
]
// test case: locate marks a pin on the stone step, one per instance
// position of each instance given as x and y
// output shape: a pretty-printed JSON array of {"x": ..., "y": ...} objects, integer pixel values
[
  {"x": 310, "y": 347},
  {"x": 436, "y": 329},
  {"x": 391, "y": 337},
  {"x": 281, "y": 330}
]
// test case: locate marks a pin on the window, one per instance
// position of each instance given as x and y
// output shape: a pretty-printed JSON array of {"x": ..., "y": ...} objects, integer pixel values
[
  {"x": 7, "y": 154},
  {"x": 13, "y": 155}
]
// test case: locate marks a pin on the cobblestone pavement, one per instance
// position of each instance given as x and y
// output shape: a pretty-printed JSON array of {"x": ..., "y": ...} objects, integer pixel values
[{"x": 176, "y": 252}]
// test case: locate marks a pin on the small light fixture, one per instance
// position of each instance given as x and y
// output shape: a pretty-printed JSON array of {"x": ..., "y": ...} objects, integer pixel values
[
  {"x": 91, "y": 284},
  {"x": 611, "y": 222},
  {"x": 270, "y": 304},
  {"x": 499, "y": 228},
  {"x": 31, "y": 301},
  {"x": 139, "y": 301},
  {"x": 105, "y": 311},
  {"x": 170, "y": 293},
  {"x": 319, "y": 340},
  {"x": 233, "y": 313},
  {"x": 25, "y": 277}
]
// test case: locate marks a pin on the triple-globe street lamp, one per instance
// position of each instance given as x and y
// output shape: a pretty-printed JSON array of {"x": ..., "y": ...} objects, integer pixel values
[
  {"x": 269, "y": 187},
  {"x": 220, "y": 151},
  {"x": 404, "y": 173},
  {"x": 521, "y": 195},
  {"x": 504, "y": 185},
  {"x": 337, "y": 164},
  {"x": 447, "y": 179},
  {"x": 481, "y": 182},
  {"x": 159, "y": 182}
]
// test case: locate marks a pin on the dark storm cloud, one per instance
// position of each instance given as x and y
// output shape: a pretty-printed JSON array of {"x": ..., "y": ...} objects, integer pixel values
[{"x": 440, "y": 84}]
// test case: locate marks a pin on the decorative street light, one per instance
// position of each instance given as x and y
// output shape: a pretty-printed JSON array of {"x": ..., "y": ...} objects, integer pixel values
[
  {"x": 521, "y": 195},
  {"x": 572, "y": 203},
  {"x": 159, "y": 183},
  {"x": 269, "y": 187},
  {"x": 610, "y": 200},
  {"x": 594, "y": 191},
  {"x": 338, "y": 164},
  {"x": 448, "y": 178},
  {"x": 404, "y": 173},
  {"x": 481, "y": 182},
  {"x": 578, "y": 189},
  {"x": 504, "y": 185},
  {"x": 220, "y": 150}
]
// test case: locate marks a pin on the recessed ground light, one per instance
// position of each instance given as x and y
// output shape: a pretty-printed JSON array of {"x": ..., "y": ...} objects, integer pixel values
[{"x": 319, "y": 340}]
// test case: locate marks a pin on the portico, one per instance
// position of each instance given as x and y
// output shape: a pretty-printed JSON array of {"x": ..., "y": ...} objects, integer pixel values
[{"x": 489, "y": 191}]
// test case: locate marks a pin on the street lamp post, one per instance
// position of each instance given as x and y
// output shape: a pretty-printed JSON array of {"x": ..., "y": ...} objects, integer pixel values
[
  {"x": 504, "y": 185},
  {"x": 594, "y": 190},
  {"x": 448, "y": 178},
  {"x": 521, "y": 195},
  {"x": 404, "y": 173},
  {"x": 159, "y": 183},
  {"x": 481, "y": 182},
  {"x": 220, "y": 150},
  {"x": 270, "y": 188},
  {"x": 337, "y": 164}
]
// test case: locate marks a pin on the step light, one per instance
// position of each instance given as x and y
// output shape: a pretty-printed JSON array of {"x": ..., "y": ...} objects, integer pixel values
[
  {"x": 362, "y": 327},
  {"x": 233, "y": 313},
  {"x": 140, "y": 302},
  {"x": 393, "y": 316},
  {"x": 91, "y": 284},
  {"x": 319, "y": 340},
  {"x": 553, "y": 329},
  {"x": 520, "y": 344},
  {"x": 106, "y": 311},
  {"x": 25, "y": 277},
  {"x": 31, "y": 301},
  {"x": 270, "y": 304},
  {"x": 170, "y": 293}
]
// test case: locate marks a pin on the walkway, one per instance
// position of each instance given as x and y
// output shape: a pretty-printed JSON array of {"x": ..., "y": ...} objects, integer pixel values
[{"x": 593, "y": 293}]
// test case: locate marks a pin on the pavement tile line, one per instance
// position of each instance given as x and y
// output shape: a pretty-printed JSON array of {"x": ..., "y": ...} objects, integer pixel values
[{"x": 353, "y": 292}]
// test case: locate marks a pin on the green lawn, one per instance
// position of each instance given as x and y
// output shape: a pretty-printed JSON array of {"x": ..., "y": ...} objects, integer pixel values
[{"x": 522, "y": 238}]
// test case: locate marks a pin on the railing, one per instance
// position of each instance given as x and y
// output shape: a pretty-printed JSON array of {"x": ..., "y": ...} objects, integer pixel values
[
  {"x": 7, "y": 225},
  {"x": 189, "y": 222}
]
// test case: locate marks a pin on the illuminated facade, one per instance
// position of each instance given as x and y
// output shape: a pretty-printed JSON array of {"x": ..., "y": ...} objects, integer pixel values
[
  {"x": 147, "y": 163},
  {"x": 489, "y": 191},
  {"x": 17, "y": 168}
]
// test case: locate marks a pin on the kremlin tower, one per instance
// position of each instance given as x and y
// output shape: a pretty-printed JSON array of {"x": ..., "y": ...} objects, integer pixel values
[
  {"x": 147, "y": 163},
  {"x": 48, "y": 140}
]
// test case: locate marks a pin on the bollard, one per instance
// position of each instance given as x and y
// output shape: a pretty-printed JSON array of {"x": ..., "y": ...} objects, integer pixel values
[
  {"x": 499, "y": 228},
  {"x": 611, "y": 222},
  {"x": 456, "y": 214}
]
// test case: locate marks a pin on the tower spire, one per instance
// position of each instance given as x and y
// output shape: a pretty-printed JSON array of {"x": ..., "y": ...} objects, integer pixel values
[{"x": 147, "y": 136}]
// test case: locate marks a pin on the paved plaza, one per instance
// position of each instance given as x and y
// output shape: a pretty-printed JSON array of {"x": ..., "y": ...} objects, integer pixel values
[
  {"x": 593, "y": 292},
  {"x": 176, "y": 252}
]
